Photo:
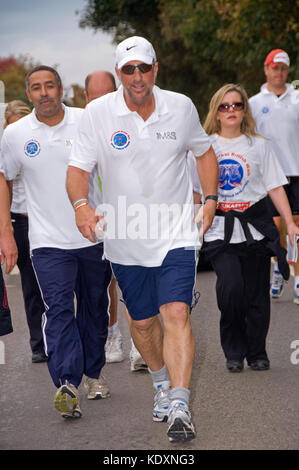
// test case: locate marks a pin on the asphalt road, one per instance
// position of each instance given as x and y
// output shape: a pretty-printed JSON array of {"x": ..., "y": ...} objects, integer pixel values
[{"x": 247, "y": 411}]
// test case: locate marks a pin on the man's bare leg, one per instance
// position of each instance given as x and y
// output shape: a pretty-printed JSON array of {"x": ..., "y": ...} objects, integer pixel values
[
  {"x": 148, "y": 339},
  {"x": 179, "y": 344},
  {"x": 179, "y": 352}
]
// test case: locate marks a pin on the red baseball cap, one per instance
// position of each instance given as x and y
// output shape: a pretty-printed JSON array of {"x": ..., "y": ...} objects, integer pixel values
[{"x": 275, "y": 56}]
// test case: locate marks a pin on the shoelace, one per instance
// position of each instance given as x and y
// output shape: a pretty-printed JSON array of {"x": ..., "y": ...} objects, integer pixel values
[
  {"x": 161, "y": 398},
  {"x": 179, "y": 408}
]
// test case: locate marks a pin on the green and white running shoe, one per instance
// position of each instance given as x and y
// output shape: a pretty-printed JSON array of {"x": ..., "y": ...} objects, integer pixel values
[
  {"x": 179, "y": 419},
  {"x": 66, "y": 401}
]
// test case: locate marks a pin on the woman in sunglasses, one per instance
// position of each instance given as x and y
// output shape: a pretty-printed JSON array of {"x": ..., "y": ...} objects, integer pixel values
[{"x": 243, "y": 237}]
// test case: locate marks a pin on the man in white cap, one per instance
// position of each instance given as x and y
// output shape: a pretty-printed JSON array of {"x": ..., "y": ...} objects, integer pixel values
[
  {"x": 276, "y": 112},
  {"x": 139, "y": 136}
]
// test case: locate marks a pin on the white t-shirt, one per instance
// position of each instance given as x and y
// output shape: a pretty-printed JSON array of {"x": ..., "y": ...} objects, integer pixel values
[
  {"x": 191, "y": 161},
  {"x": 248, "y": 169},
  {"x": 147, "y": 190},
  {"x": 18, "y": 203},
  {"x": 277, "y": 118},
  {"x": 40, "y": 154}
]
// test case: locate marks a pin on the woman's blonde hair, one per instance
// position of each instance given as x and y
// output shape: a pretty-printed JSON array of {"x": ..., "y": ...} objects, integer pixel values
[
  {"x": 212, "y": 124},
  {"x": 15, "y": 108}
]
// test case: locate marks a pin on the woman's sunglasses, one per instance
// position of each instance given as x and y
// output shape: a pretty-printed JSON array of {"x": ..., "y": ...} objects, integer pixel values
[{"x": 225, "y": 107}]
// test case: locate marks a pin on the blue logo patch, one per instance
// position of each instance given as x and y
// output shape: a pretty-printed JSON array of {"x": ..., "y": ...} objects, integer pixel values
[
  {"x": 265, "y": 110},
  {"x": 120, "y": 140},
  {"x": 230, "y": 174},
  {"x": 32, "y": 148}
]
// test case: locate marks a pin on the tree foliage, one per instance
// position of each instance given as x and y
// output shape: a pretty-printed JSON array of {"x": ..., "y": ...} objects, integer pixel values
[
  {"x": 13, "y": 72},
  {"x": 202, "y": 44}
]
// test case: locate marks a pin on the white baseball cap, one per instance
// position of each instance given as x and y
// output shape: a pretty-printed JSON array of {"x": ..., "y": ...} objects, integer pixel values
[{"x": 134, "y": 48}]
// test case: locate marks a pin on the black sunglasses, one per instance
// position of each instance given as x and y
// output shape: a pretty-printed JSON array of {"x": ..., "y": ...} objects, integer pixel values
[
  {"x": 225, "y": 107},
  {"x": 130, "y": 69}
]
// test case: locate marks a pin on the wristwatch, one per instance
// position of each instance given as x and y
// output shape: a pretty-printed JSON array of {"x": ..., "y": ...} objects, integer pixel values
[{"x": 214, "y": 198}]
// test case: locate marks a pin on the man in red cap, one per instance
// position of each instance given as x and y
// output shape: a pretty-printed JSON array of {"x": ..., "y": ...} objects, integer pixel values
[{"x": 276, "y": 112}]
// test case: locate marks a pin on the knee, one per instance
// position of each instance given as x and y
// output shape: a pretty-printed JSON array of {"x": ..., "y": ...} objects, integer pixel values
[
  {"x": 142, "y": 327},
  {"x": 176, "y": 314}
]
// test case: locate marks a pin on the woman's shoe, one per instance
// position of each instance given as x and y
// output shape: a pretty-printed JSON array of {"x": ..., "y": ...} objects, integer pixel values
[
  {"x": 260, "y": 364},
  {"x": 234, "y": 366}
]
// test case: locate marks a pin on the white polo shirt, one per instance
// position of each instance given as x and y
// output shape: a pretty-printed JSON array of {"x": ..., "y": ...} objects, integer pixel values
[
  {"x": 277, "y": 118},
  {"x": 147, "y": 189},
  {"x": 248, "y": 169},
  {"x": 40, "y": 154}
]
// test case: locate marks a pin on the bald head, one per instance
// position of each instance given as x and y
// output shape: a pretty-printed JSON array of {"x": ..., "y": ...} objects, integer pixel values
[{"x": 98, "y": 83}]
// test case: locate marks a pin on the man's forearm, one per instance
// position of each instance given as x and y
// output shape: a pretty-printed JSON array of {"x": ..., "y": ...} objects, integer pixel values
[
  {"x": 208, "y": 172},
  {"x": 77, "y": 184}
]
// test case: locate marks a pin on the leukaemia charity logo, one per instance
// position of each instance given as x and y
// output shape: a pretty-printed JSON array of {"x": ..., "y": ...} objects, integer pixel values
[
  {"x": 230, "y": 174},
  {"x": 234, "y": 174},
  {"x": 120, "y": 140},
  {"x": 32, "y": 148}
]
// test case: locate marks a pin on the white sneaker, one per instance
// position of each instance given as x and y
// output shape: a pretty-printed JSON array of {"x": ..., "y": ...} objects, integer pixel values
[
  {"x": 276, "y": 285},
  {"x": 96, "y": 388},
  {"x": 136, "y": 360},
  {"x": 296, "y": 295},
  {"x": 179, "y": 419},
  {"x": 114, "y": 348}
]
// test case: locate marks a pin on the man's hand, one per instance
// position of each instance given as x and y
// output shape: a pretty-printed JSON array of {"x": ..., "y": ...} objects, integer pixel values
[
  {"x": 9, "y": 251},
  {"x": 86, "y": 220},
  {"x": 204, "y": 216}
]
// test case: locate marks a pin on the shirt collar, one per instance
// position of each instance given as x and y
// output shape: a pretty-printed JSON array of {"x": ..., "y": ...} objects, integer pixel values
[
  {"x": 35, "y": 123},
  {"x": 123, "y": 110},
  {"x": 265, "y": 91}
]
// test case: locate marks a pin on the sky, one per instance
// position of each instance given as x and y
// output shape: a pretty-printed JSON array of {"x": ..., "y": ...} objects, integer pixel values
[{"x": 48, "y": 31}]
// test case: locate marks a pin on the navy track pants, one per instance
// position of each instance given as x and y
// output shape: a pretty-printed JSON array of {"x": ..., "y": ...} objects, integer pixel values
[{"x": 74, "y": 338}]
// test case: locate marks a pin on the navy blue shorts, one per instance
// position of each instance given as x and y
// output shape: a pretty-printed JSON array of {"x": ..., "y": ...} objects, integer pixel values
[{"x": 145, "y": 289}]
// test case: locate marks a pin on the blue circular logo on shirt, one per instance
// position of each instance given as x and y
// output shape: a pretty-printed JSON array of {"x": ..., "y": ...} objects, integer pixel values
[
  {"x": 32, "y": 148},
  {"x": 120, "y": 140},
  {"x": 265, "y": 110},
  {"x": 230, "y": 174}
]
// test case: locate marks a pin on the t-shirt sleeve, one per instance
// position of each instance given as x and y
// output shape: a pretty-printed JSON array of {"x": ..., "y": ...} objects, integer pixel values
[
  {"x": 273, "y": 174},
  {"x": 84, "y": 149},
  {"x": 199, "y": 141},
  {"x": 8, "y": 163}
]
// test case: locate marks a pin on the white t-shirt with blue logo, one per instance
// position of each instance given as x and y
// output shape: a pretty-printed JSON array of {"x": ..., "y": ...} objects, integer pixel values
[
  {"x": 147, "y": 189},
  {"x": 40, "y": 155},
  {"x": 248, "y": 169},
  {"x": 277, "y": 118}
]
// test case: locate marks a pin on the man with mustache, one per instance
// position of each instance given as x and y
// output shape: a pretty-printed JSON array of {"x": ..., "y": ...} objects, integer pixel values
[{"x": 38, "y": 147}]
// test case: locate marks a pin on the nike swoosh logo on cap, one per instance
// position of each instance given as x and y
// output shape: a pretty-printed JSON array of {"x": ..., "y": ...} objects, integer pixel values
[{"x": 128, "y": 48}]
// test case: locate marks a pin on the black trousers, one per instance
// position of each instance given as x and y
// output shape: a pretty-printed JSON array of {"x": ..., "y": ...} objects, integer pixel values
[
  {"x": 243, "y": 298},
  {"x": 34, "y": 305},
  {"x": 5, "y": 317}
]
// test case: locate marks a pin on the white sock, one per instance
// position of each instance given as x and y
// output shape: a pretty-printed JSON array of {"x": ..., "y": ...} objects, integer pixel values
[
  {"x": 296, "y": 281},
  {"x": 114, "y": 329},
  {"x": 276, "y": 268}
]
